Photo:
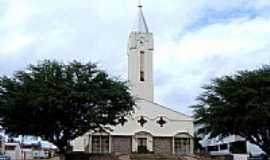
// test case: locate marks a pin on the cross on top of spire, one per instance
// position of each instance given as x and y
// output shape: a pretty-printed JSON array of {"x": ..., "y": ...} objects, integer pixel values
[
  {"x": 140, "y": 4},
  {"x": 140, "y": 25}
]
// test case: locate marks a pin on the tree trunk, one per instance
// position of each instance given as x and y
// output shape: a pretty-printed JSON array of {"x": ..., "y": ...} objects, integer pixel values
[
  {"x": 63, "y": 148},
  {"x": 61, "y": 151},
  {"x": 62, "y": 156}
]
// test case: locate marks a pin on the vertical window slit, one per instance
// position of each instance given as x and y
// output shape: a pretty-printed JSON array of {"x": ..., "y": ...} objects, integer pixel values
[{"x": 142, "y": 73}]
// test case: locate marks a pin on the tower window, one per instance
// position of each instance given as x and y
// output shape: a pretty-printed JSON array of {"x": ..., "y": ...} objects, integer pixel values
[{"x": 142, "y": 74}]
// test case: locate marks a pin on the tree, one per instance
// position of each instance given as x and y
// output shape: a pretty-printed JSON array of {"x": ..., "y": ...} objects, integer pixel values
[
  {"x": 60, "y": 102},
  {"x": 237, "y": 105}
]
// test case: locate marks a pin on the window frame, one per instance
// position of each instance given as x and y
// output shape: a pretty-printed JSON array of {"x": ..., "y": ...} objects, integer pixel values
[
  {"x": 182, "y": 145},
  {"x": 100, "y": 144}
]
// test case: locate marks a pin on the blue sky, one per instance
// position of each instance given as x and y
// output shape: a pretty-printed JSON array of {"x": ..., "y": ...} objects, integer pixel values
[{"x": 195, "y": 41}]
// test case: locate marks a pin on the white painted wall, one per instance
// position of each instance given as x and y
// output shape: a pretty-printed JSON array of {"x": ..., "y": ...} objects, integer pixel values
[
  {"x": 141, "y": 42},
  {"x": 79, "y": 143},
  {"x": 240, "y": 156},
  {"x": 251, "y": 148},
  {"x": 14, "y": 154},
  {"x": 175, "y": 122}
]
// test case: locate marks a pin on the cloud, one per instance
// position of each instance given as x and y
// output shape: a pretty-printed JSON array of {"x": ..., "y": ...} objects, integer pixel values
[
  {"x": 194, "y": 42},
  {"x": 212, "y": 51},
  {"x": 14, "y": 43}
]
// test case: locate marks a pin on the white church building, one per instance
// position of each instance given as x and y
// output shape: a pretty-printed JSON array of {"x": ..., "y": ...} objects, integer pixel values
[{"x": 152, "y": 128}]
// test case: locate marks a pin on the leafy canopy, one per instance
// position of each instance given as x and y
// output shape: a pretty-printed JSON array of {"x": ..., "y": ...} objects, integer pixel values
[
  {"x": 60, "y": 102},
  {"x": 239, "y": 105}
]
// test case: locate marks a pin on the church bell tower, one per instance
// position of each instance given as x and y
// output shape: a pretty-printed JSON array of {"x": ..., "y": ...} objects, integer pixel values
[{"x": 140, "y": 59}]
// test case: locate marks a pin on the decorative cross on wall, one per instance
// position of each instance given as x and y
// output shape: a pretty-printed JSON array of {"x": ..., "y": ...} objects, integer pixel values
[
  {"x": 161, "y": 122},
  {"x": 142, "y": 121},
  {"x": 122, "y": 120}
]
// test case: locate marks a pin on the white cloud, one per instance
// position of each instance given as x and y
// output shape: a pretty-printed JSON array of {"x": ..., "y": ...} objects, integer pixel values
[
  {"x": 13, "y": 43},
  {"x": 17, "y": 13},
  {"x": 97, "y": 30},
  {"x": 209, "y": 52},
  {"x": 238, "y": 36}
]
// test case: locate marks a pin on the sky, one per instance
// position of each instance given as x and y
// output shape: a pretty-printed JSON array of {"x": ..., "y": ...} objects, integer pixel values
[{"x": 195, "y": 41}]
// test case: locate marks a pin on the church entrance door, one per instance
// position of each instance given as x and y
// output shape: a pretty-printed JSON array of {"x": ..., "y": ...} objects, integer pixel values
[
  {"x": 142, "y": 142},
  {"x": 142, "y": 145}
]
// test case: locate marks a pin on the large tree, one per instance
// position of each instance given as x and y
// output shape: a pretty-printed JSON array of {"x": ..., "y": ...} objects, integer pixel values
[
  {"x": 237, "y": 105},
  {"x": 60, "y": 102}
]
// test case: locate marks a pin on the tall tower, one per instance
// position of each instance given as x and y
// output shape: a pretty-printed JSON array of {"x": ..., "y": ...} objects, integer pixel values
[{"x": 140, "y": 59}]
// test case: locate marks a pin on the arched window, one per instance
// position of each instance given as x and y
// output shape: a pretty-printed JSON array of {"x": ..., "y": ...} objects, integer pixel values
[
  {"x": 182, "y": 143},
  {"x": 100, "y": 143}
]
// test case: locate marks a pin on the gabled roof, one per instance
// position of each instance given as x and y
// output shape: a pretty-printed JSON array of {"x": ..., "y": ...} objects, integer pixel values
[
  {"x": 152, "y": 109},
  {"x": 175, "y": 122},
  {"x": 140, "y": 25}
]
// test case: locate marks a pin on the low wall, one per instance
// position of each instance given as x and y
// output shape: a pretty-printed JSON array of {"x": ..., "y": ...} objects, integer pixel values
[
  {"x": 222, "y": 157},
  {"x": 85, "y": 156}
]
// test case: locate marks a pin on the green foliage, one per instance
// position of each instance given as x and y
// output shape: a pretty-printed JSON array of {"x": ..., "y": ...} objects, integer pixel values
[
  {"x": 238, "y": 104},
  {"x": 197, "y": 146},
  {"x": 60, "y": 102},
  {"x": 238, "y": 147}
]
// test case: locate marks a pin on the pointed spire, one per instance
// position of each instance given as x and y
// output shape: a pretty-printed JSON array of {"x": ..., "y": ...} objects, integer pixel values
[{"x": 140, "y": 25}]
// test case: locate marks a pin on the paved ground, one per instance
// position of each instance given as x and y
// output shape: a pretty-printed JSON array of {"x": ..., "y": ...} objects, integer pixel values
[
  {"x": 148, "y": 157},
  {"x": 55, "y": 158}
]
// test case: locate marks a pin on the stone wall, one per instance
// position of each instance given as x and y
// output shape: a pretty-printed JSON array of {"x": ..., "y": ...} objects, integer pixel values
[
  {"x": 162, "y": 145},
  {"x": 121, "y": 144}
]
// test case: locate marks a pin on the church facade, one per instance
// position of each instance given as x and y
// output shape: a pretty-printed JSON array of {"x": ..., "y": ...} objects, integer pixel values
[{"x": 152, "y": 128}]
